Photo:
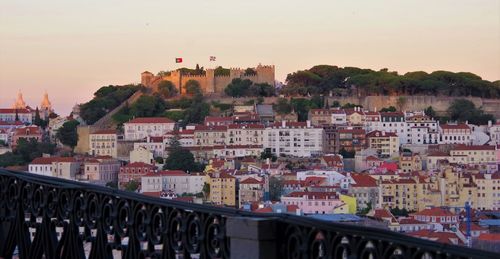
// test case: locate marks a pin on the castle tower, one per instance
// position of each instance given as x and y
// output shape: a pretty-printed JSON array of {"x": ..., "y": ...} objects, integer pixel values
[
  {"x": 19, "y": 104},
  {"x": 210, "y": 77},
  {"x": 265, "y": 74},
  {"x": 46, "y": 105},
  {"x": 146, "y": 77}
]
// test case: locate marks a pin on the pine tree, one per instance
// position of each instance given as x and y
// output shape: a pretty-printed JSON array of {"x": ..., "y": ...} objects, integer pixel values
[{"x": 37, "y": 117}]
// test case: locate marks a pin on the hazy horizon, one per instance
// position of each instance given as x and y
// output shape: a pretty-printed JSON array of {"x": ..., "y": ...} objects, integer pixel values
[{"x": 72, "y": 49}]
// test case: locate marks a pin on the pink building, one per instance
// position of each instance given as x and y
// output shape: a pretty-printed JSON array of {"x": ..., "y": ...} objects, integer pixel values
[
  {"x": 28, "y": 132},
  {"x": 134, "y": 172},
  {"x": 313, "y": 202}
]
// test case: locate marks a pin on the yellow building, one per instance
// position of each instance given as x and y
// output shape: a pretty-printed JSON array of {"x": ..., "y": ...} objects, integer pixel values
[
  {"x": 222, "y": 188},
  {"x": 104, "y": 143},
  {"x": 351, "y": 203},
  {"x": 386, "y": 143},
  {"x": 399, "y": 193},
  {"x": 410, "y": 162}
]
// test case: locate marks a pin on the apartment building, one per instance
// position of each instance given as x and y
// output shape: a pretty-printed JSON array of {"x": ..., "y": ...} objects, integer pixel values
[
  {"x": 299, "y": 139},
  {"x": 385, "y": 143},
  {"x": 455, "y": 134},
  {"x": 140, "y": 128},
  {"x": 222, "y": 188},
  {"x": 104, "y": 143}
]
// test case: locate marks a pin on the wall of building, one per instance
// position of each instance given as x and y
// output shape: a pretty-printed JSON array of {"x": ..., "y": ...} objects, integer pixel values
[{"x": 210, "y": 83}]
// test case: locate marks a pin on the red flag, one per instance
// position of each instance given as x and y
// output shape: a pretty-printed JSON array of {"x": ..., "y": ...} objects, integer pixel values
[{"x": 178, "y": 60}]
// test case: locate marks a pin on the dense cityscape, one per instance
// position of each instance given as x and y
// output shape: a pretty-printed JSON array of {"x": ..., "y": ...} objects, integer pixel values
[
  {"x": 407, "y": 170},
  {"x": 250, "y": 129}
]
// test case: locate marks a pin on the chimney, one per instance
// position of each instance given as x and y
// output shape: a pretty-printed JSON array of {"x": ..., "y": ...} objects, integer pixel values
[
  {"x": 489, "y": 123},
  {"x": 283, "y": 124},
  {"x": 308, "y": 123}
]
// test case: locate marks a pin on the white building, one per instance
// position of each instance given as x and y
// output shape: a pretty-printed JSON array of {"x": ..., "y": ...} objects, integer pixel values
[
  {"x": 9, "y": 115},
  {"x": 234, "y": 151},
  {"x": 339, "y": 117},
  {"x": 140, "y": 128},
  {"x": 455, "y": 134},
  {"x": 141, "y": 154},
  {"x": 245, "y": 134},
  {"x": 100, "y": 171},
  {"x": 495, "y": 134},
  {"x": 4, "y": 136},
  {"x": 392, "y": 122},
  {"x": 176, "y": 181},
  {"x": 421, "y": 129},
  {"x": 332, "y": 177},
  {"x": 104, "y": 143},
  {"x": 62, "y": 167},
  {"x": 299, "y": 139},
  {"x": 156, "y": 145},
  {"x": 185, "y": 137}
]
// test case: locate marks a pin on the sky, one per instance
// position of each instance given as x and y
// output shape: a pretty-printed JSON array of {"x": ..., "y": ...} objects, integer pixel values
[{"x": 72, "y": 48}]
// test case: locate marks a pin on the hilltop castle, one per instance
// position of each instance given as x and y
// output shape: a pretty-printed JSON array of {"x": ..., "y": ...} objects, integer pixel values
[{"x": 209, "y": 82}]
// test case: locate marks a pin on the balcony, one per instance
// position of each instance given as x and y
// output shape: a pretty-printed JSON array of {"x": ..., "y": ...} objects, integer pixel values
[{"x": 77, "y": 220}]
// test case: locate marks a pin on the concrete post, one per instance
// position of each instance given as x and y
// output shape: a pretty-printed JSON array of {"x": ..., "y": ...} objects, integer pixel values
[{"x": 253, "y": 238}]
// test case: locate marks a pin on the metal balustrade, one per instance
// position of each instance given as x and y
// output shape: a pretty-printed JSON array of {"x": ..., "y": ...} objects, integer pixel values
[{"x": 46, "y": 217}]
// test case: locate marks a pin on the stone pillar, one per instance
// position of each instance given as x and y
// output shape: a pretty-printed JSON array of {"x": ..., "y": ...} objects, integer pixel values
[{"x": 252, "y": 237}]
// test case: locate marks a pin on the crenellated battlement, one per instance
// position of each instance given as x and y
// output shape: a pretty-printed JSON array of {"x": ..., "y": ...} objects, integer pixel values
[{"x": 209, "y": 82}]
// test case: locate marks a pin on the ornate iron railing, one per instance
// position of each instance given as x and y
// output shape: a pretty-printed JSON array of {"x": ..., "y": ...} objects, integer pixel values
[{"x": 45, "y": 217}]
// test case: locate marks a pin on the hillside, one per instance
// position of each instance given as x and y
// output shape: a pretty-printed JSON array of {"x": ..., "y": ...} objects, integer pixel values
[
  {"x": 105, "y": 100},
  {"x": 349, "y": 81}
]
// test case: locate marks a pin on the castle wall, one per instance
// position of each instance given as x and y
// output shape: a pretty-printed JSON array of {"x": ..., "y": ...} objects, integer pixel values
[
  {"x": 210, "y": 83},
  {"x": 201, "y": 79},
  {"x": 221, "y": 83}
]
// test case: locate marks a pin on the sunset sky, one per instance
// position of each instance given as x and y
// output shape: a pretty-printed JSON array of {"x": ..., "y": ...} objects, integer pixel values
[{"x": 71, "y": 48}]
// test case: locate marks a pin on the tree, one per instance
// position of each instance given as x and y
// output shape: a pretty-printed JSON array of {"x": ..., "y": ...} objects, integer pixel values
[
  {"x": 175, "y": 115},
  {"x": 197, "y": 112},
  {"x": 68, "y": 134},
  {"x": 399, "y": 212},
  {"x": 166, "y": 89},
  {"x": 220, "y": 71},
  {"x": 335, "y": 104},
  {"x": 351, "y": 105},
  {"x": 206, "y": 190},
  {"x": 365, "y": 211},
  {"x": 250, "y": 72},
  {"x": 193, "y": 88},
  {"x": 131, "y": 186},
  {"x": 464, "y": 110},
  {"x": 347, "y": 154},
  {"x": 282, "y": 106},
  {"x": 106, "y": 99},
  {"x": 30, "y": 149},
  {"x": 429, "y": 111},
  {"x": 268, "y": 154},
  {"x": 388, "y": 109},
  {"x": 180, "y": 158},
  {"x": 11, "y": 159},
  {"x": 275, "y": 188},
  {"x": 238, "y": 87},
  {"x": 324, "y": 79}
]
